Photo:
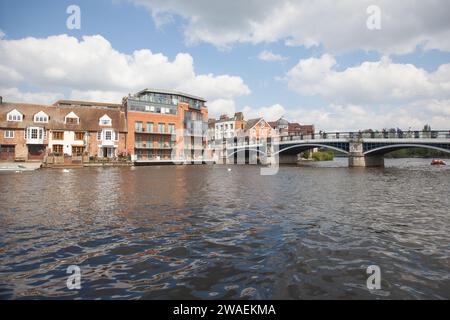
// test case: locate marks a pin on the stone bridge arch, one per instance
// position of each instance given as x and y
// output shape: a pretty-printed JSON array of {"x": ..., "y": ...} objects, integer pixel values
[
  {"x": 382, "y": 149},
  {"x": 298, "y": 148}
]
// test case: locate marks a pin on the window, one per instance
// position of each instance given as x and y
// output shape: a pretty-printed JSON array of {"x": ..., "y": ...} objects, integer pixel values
[
  {"x": 77, "y": 150},
  {"x": 116, "y": 136},
  {"x": 14, "y": 115},
  {"x": 34, "y": 133},
  {"x": 138, "y": 126},
  {"x": 149, "y": 126},
  {"x": 161, "y": 127},
  {"x": 41, "y": 117},
  {"x": 171, "y": 128},
  {"x": 71, "y": 120},
  {"x": 231, "y": 126},
  {"x": 105, "y": 121},
  {"x": 57, "y": 148},
  {"x": 58, "y": 135},
  {"x": 108, "y": 135},
  {"x": 79, "y": 135},
  {"x": 99, "y": 135},
  {"x": 9, "y": 134}
]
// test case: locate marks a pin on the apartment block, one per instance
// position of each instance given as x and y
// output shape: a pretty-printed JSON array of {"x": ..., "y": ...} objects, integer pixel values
[{"x": 166, "y": 125}]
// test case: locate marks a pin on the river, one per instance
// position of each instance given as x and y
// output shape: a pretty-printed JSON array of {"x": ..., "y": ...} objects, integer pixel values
[{"x": 207, "y": 232}]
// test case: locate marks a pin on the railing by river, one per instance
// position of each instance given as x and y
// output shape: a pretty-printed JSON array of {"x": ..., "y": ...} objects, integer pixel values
[{"x": 398, "y": 134}]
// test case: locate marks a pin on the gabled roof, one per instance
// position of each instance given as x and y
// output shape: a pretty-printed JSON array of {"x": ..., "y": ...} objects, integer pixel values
[
  {"x": 72, "y": 114},
  {"x": 88, "y": 117},
  {"x": 253, "y": 122},
  {"x": 14, "y": 111},
  {"x": 105, "y": 116},
  {"x": 41, "y": 112}
]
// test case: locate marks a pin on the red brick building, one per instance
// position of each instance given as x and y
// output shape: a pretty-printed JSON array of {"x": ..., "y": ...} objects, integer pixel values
[
  {"x": 166, "y": 125},
  {"x": 284, "y": 128},
  {"x": 72, "y": 128}
]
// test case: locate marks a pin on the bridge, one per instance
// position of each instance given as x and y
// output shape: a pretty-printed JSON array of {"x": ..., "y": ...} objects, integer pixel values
[{"x": 364, "y": 149}]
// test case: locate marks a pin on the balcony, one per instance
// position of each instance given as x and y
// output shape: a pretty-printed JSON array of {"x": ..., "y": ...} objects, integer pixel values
[
  {"x": 142, "y": 131},
  {"x": 151, "y": 146}
]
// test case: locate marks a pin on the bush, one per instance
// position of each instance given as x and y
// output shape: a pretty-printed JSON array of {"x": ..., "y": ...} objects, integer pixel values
[{"x": 323, "y": 156}]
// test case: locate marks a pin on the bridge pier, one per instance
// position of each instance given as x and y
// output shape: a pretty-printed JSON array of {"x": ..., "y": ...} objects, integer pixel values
[
  {"x": 365, "y": 161},
  {"x": 282, "y": 159},
  {"x": 356, "y": 157},
  {"x": 288, "y": 159}
]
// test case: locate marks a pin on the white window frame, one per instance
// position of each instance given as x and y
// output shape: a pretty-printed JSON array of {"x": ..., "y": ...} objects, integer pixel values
[
  {"x": 72, "y": 115},
  {"x": 9, "y": 134},
  {"x": 105, "y": 120},
  {"x": 41, "y": 117},
  {"x": 40, "y": 133},
  {"x": 14, "y": 116},
  {"x": 110, "y": 135}
]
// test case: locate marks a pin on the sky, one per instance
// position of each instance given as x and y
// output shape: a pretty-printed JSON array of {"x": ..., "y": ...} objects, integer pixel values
[{"x": 338, "y": 64}]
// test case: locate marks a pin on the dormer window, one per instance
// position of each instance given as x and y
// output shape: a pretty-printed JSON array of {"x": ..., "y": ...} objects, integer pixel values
[
  {"x": 14, "y": 115},
  {"x": 41, "y": 117},
  {"x": 105, "y": 121},
  {"x": 72, "y": 118}
]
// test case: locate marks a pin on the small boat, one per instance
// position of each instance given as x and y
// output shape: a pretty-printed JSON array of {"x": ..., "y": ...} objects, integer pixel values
[{"x": 435, "y": 162}]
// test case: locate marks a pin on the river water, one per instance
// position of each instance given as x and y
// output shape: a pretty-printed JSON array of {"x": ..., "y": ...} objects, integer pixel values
[{"x": 206, "y": 232}]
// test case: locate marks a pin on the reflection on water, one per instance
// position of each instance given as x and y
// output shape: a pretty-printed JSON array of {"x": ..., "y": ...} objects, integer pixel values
[{"x": 206, "y": 232}]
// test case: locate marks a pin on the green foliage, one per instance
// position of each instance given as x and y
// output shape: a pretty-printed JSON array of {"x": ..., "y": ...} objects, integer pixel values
[
  {"x": 323, "y": 156},
  {"x": 306, "y": 154},
  {"x": 417, "y": 153}
]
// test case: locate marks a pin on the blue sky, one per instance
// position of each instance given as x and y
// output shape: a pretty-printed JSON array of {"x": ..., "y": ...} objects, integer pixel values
[{"x": 309, "y": 83}]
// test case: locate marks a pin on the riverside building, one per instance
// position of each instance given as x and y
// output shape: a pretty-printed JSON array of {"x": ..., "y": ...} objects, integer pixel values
[
  {"x": 72, "y": 129},
  {"x": 166, "y": 125}
]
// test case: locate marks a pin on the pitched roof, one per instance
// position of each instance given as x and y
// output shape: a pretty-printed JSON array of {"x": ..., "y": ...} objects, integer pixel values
[
  {"x": 251, "y": 123},
  {"x": 89, "y": 117}
]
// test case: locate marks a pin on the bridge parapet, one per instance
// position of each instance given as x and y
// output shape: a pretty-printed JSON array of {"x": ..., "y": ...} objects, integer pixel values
[{"x": 363, "y": 148}]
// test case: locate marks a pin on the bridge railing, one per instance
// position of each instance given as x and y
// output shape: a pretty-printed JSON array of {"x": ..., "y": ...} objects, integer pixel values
[
  {"x": 240, "y": 142},
  {"x": 370, "y": 135}
]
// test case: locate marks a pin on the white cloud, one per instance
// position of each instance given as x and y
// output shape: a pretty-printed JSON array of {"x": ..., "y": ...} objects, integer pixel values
[
  {"x": 270, "y": 56},
  {"x": 350, "y": 117},
  {"x": 15, "y": 95},
  {"x": 2, "y": 34},
  {"x": 218, "y": 107},
  {"x": 97, "y": 95},
  {"x": 380, "y": 82},
  {"x": 91, "y": 68},
  {"x": 338, "y": 26},
  {"x": 379, "y": 94},
  {"x": 270, "y": 113}
]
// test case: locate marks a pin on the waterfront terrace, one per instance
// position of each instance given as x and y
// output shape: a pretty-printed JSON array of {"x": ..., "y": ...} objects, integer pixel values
[{"x": 31, "y": 131}]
